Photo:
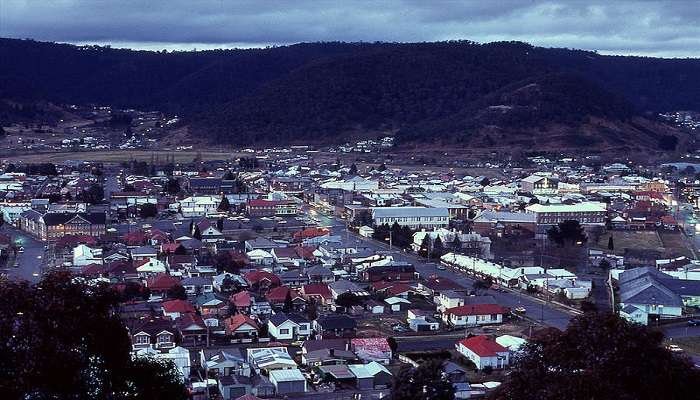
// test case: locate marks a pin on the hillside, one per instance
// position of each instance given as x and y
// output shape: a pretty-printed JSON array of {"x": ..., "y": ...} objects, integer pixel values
[{"x": 449, "y": 92}]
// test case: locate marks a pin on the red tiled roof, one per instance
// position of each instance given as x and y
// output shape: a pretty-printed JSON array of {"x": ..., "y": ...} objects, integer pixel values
[
  {"x": 258, "y": 276},
  {"x": 241, "y": 299},
  {"x": 279, "y": 294},
  {"x": 317, "y": 289},
  {"x": 310, "y": 233},
  {"x": 476, "y": 309},
  {"x": 162, "y": 282},
  {"x": 179, "y": 306},
  {"x": 237, "y": 321},
  {"x": 483, "y": 346}
]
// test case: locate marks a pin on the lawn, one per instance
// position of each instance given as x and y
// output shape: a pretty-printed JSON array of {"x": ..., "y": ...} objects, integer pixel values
[{"x": 630, "y": 240}]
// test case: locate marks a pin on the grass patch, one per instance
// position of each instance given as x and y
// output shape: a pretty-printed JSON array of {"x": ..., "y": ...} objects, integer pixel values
[{"x": 630, "y": 240}]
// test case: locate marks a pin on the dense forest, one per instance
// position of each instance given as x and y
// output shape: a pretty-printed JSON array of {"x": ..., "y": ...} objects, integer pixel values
[{"x": 453, "y": 92}]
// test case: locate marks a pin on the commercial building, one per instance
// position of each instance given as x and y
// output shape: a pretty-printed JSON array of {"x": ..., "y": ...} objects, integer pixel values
[{"x": 413, "y": 217}]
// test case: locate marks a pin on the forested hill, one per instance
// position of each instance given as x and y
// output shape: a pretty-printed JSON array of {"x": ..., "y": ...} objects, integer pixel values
[{"x": 446, "y": 92}]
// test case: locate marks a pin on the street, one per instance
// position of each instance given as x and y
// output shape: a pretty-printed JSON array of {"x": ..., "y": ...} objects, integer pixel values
[{"x": 29, "y": 262}]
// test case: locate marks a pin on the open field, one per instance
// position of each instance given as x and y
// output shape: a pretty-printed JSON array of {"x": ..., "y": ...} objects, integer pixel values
[
  {"x": 120, "y": 155},
  {"x": 630, "y": 240},
  {"x": 675, "y": 245}
]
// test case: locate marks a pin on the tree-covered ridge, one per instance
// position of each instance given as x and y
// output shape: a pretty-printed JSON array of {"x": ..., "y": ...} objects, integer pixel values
[{"x": 457, "y": 91}]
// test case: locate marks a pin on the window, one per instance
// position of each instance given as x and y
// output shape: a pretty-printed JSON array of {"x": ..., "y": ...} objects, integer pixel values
[
  {"x": 164, "y": 338},
  {"x": 284, "y": 331},
  {"x": 302, "y": 327},
  {"x": 142, "y": 339}
]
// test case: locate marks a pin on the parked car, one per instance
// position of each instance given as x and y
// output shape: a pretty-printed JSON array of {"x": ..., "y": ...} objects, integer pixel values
[
  {"x": 674, "y": 349},
  {"x": 520, "y": 310},
  {"x": 694, "y": 322}
]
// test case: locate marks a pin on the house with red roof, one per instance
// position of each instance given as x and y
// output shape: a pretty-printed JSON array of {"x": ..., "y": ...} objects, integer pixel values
[
  {"x": 310, "y": 233},
  {"x": 474, "y": 314},
  {"x": 269, "y": 208},
  {"x": 161, "y": 283},
  {"x": 192, "y": 329},
  {"x": 262, "y": 280},
  {"x": 241, "y": 326},
  {"x": 318, "y": 292},
  {"x": 175, "y": 308},
  {"x": 483, "y": 351},
  {"x": 277, "y": 297}
]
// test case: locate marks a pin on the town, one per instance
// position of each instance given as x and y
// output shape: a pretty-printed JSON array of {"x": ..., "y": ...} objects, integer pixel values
[{"x": 302, "y": 271}]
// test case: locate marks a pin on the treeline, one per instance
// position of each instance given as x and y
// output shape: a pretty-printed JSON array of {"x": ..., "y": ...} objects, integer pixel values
[{"x": 324, "y": 91}]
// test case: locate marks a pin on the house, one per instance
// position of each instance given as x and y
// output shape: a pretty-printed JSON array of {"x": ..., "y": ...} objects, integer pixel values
[
  {"x": 143, "y": 252},
  {"x": 372, "y": 349},
  {"x": 262, "y": 280},
  {"x": 192, "y": 329},
  {"x": 483, "y": 352},
  {"x": 175, "y": 308},
  {"x": 474, "y": 314},
  {"x": 224, "y": 362},
  {"x": 319, "y": 274},
  {"x": 277, "y": 297},
  {"x": 397, "y": 304},
  {"x": 450, "y": 299},
  {"x": 291, "y": 326},
  {"x": 149, "y": 266},
  {"x": 288, "y": 381},
  {"x": 158, "y": 333},
  {"x": 421, "y": 321},
  {"x": 52, "y": 226},
  {"x": 241, "y": 326},
  {"x": 326, "y": 352},
  {"x": 211, "y": 304},
  {"x": 343, "y": 286},
  {"x": 197, "y": 285},
  {"x": 371, "y": 376},
  {"x": 260, "y": 257},
  {"x": 335, "y": 325},
  {"x": 366, "y": 231},
  {"x": 270, "y": 358},
  {"x": 161, "y": 283},
  {"x": 319, "y": 293},
  {"x": 294, "y": 278}
]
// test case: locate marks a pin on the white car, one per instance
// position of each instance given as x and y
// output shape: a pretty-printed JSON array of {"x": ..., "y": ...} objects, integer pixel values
[{"x": 674, "y": 348}]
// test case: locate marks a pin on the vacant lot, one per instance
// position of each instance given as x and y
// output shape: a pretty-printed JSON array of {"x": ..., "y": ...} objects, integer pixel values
[
  {"x": 117, "y": 156},
  {"x": 675, "y": 245},
  {"x": 630, "y": 240}
]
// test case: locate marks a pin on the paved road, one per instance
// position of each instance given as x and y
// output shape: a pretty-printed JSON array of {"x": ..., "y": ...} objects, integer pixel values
[
  {"x": 536, "y": 309},
  {"x": 30, "y": 265}
]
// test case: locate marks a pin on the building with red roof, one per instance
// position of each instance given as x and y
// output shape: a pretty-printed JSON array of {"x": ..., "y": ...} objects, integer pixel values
[
  {"x": 483, "y": 352},
  {"x": 318, "y": 292},
  {"x": 309, "y": 233},
  {"x": 277, "y": 297},
  {"x": 161, "y": 283},
  {"x": 474, "y": 314},
  {"x": 241, "y": 326},
  {"x": 175, "y": 308},
  {"x": 262, "y": 279}
]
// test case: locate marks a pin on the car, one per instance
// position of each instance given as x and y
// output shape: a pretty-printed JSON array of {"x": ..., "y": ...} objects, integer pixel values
[
  {"x": 441, "y": 267},
  {"x": 673, "y": 348},
  {"x": 520, "y": 310},
  {"x": 20, "y": 250},
  {"x": 694, "y": 322}
]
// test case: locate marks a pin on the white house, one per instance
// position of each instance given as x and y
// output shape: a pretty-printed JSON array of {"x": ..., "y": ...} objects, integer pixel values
[
  {"x": 288, "y": 327},
  {"x": 198, "y": 206},
  {"x": 260, "y": 257},
  {"x": 474, "y": 314},
  {"x": 84, "y": 255},
  {"x": 483, "y": 352}
]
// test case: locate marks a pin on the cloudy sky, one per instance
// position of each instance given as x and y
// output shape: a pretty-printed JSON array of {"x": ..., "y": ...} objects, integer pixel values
[{"x": 659, "y": 28}]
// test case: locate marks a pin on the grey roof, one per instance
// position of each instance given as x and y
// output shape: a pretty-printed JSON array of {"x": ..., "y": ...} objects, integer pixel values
[
  {"x": 505, "y": 216},
  {"x": 647, "y": 287},
  {"x": 395, "y": 212}
]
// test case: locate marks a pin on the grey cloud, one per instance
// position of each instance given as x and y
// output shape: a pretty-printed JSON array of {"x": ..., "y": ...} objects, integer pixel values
[{"x": 665, "y": 28}]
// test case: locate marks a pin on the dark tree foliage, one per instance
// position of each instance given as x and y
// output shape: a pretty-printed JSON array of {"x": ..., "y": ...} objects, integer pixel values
[
  {"x": 93, "y": 194},
  {"x": 224, "y": 205},
  {"x": 438, "y": 248},
  {"x": 61, "y": 340},
  {"x": 424, "y": 250},
  {"x": 425, "y": 91},
  {"x": 611, "y": 244},
  {"x": 567, "y": 232},
  {"x": 363, "y": 218},
  {"x": 347, "y": 300},
  {"x": 177, "y": 292},
  {"x": 172, "y": 186},
  {"x": 288, "y": 303},
  {"x": 423, "y": 383},
  {"x": 600, "y": 356},
  {"x": 148, "y": 210}
]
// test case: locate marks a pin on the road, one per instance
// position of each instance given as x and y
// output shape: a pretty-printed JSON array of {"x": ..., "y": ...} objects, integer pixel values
[
  {"x": 30, "y": 263},
  {"x": 537, "y": 309}
]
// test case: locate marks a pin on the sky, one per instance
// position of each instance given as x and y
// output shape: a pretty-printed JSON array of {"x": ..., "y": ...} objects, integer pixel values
[{"x": 648, "y": 28}]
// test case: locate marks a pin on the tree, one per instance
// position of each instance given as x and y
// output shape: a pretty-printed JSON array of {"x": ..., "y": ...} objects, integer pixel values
[
  {"x": 423, "y": 383},
  {"x": 457, "y": 243},
  {"x": 611, "y": 245},
  {"x": 567, "y": 232},
  {"x": 604, "y": 264},
  {"x": 363, "y": 218},
  {"x": 93, "y": 194},
  {"x": 288, "y": 303},
  {"x": 600, "y": 356},
  {"x": 312, "y": 310},
  {"x": 172, "y": 186},
  {"x": 353, "y": 170},
  {"x": 177, "y": 292},
  {"x": 66, "y": 322},
  {"x": 224, "y": 206},
  {"x": 438, "y": 248},
  {"x": 347, "y": 300},
  {"x": 482, "y": 284},
  {"x": 393, "y": 345},
  {"x": 148, "y": 210},
  {"x": 424, "y": 250},
  {"x": 220, "y": 224},
  {"x": 197, "y": 234}
]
